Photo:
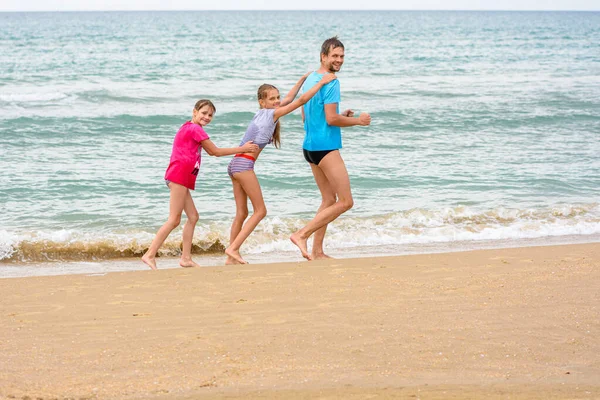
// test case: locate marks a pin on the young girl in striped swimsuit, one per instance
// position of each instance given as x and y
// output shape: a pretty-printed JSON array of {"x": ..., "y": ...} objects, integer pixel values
[{"x": 263, "y": 129}]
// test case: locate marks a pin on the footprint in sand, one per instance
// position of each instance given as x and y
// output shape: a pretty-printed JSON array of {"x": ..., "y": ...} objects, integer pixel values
[
  {"x": 325, "y": 305},
  {"x": 276, "y": 320},
  {"x": 112, "y": 303},
  {"x": 49, "y": 308},
  {"x": 568, "y": 259},
  {"x": 338, "y": 271},
  {"x": 503, "y": 260},
  {"x": 241, "y": 320}
]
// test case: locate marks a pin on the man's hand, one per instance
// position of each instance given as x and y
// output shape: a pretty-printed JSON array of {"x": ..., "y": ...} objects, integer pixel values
[
  {"x": 348, "y": 113},
  {"x": 364, "y": 119}
]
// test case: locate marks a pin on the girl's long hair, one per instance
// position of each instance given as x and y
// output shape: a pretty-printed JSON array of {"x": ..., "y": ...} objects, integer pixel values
[{"x": 262, "y": 93}]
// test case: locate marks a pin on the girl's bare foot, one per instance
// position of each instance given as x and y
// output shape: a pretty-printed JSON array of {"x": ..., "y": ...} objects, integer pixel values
[
  {"x": 149, "y": 261},
  {"x": 235, "y": 254},
  {"x": 300, "y": 242},
  {"x": 188, "y": 263},
  {"x": 231, "y": 261},
  {"x": 320, "y": 256}
]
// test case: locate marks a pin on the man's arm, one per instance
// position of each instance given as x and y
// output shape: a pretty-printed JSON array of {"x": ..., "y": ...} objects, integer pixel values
[{"x": 335, "y": 119}]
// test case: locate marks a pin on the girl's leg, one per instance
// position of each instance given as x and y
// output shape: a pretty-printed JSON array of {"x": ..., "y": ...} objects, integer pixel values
[
  {"x": 176, "y": 204},
  {"x": 251, "y": 187},
  {"x": 334, "y": 169},
  {"x": 241, "y": 213},
  {"x": 188, "y": 231}
]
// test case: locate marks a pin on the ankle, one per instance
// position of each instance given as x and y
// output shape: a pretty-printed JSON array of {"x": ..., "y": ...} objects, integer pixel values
[{"x": 300, "y": 235}]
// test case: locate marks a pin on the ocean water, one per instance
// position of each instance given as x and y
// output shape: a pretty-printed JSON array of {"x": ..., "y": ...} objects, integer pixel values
[{"x": 485, "y": 131}]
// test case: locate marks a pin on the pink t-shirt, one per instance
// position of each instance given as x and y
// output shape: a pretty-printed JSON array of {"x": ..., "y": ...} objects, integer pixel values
[{"x": 185, "y": 157}]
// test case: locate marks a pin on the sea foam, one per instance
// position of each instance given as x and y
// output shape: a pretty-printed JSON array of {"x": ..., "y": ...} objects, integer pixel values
[{"x": 415, "y": 226}]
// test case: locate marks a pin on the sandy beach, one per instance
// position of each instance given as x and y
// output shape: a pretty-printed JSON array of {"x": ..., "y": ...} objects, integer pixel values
[{"x": 490, "y": 324}]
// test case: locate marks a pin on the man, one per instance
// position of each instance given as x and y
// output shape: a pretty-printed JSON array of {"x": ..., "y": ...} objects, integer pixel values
[{"x": 323, "y": 139}]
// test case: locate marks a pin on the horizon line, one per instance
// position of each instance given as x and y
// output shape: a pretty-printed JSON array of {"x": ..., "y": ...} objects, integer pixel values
[{"x": 351, "y": 9}]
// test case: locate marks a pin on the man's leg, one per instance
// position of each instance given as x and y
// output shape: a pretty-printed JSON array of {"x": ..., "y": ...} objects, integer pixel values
[
  {"x": 334, "y": 169},
  {"x": 328, "y": 198}
]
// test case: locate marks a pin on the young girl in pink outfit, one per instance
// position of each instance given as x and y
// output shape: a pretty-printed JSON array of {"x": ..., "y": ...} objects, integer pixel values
[
  {"x": 263, "y": 129},
  {"x": 181, "y": 178}
]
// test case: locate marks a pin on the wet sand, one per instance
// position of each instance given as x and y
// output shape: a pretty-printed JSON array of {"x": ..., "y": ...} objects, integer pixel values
[{"x": 490, "y": 324}]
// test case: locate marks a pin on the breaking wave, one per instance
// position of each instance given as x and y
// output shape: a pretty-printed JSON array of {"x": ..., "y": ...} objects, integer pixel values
[{"x": 416, "y": 226}]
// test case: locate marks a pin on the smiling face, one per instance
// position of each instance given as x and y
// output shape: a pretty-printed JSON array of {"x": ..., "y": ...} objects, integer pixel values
[
  {"x": 333, "y": 61},
  {"x": 203, "y": 116},
  {"x": 270, "y": 99}
]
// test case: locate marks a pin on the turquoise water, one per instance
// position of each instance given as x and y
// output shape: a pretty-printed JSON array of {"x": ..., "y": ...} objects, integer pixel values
[{"x": 485, "y": 129}]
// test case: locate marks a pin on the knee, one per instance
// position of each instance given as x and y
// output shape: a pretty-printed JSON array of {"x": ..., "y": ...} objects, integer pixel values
[
  {"x": 174, "y": 221},
  {"x": 193, "y": 218},
  {"x": 346, "y": 204},
  {"x": 327, "y": 201},
  {"x": 260, "y": 213},
  {"x": 241, "y": 214}
]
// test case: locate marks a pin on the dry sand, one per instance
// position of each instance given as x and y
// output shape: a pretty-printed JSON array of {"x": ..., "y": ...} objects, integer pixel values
[{"x": 492, "y": 324}]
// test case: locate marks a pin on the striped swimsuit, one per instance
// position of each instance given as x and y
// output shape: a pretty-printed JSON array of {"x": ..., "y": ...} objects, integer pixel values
[
  {"x": 260, "y": 131},
  {"x": 240, "y": 163}
]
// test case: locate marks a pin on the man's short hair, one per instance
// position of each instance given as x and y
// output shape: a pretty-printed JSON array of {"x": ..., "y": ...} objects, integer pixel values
[{"x": 331, "y": 43}]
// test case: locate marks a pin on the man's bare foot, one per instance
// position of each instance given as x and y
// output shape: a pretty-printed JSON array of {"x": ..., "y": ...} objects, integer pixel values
[
  {"x": 320, "y": 256},
  {"x": 235, "y": 254},
  {"x": 301, "y": 244},
  {"x": 149, "y": 261},
  {"x": 188, "y": 263},
  {"x": 231, "y": 261}
]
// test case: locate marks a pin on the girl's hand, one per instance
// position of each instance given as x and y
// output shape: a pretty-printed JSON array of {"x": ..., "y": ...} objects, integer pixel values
[
  {"x": 348, "y": 113},
  {"x": 364, "y": 119},
  {"x": 249, "y": 147},
  {"x": 327, "y": 78}
]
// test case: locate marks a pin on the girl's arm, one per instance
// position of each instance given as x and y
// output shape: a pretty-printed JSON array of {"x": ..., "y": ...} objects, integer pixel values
[
  {"x": 213, "y": 150},
  {"x": 294, "y": 91},
  {"x": 281, "y": 111}
]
